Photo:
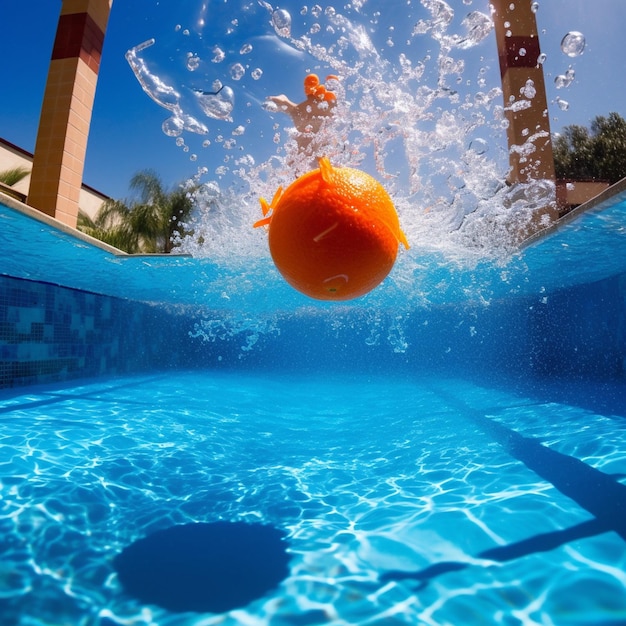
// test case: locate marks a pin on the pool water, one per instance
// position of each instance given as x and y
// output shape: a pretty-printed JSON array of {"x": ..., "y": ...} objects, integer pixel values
[{"x": 403, "y": 501}]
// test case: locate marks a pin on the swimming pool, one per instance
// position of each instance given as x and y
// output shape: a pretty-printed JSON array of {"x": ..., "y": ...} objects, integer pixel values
[
  {"x": 459, "y": 463},
  {"x": 187, "y": 440},
  {"x": 399, "y": 502}
]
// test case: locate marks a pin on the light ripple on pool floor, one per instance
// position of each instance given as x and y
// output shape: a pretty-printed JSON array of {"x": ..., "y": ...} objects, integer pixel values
[{"x": 366, "y": 476}]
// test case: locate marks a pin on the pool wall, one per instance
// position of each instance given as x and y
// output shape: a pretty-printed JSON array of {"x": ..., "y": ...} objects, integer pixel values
[
  {"x": 50, "y": 334},
  {"x": 580, "y": 332}
]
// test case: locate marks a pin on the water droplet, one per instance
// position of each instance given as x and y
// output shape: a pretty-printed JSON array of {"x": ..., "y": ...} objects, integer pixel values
[
  {"x": 237, "y": 71},
  {"x": 541, "y": 59},
  {"x": 218, "y": 55},
  {"x": 573, "y": 44},
  {"x": 316, "y": 10},
  {"x": 281, "y": 20},
  {"x": 522, "y": 52},
  {"x": 218, "y": 105},
  {"x": 564, "y": 80},
  {"x": 534, "y": 7},
  {"x": 245, "y": 49},
  {"x": 478, "y": 27},
  {"x": 193, "y": 157},
  {"x": 529, "y": 90},
  {"x": 256, "y": 73},
  {"x": 562, "y": 104},
  {"x": 180, "y": 142},
  {"x": 193, "y": 61},
  {"x": 173, "y": 126},
  {"x": 479, "y": 146}
]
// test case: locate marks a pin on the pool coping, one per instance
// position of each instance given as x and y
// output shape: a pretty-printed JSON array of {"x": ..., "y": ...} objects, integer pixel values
[
  {"x": 597, "y": 203},
  {"x": 38, "y": 215}
]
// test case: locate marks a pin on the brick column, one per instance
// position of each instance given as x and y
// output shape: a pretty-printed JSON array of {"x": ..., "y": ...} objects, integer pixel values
[
  {"x": 61, "y": 144},
  {"x": 525, "y": 102}
]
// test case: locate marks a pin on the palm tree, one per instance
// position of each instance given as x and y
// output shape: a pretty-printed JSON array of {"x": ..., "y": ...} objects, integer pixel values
[{"x": 148, "y": 222}]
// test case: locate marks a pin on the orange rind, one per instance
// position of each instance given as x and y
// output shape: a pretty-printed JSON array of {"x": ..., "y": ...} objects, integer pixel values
[{"x": 333, "y": 233}]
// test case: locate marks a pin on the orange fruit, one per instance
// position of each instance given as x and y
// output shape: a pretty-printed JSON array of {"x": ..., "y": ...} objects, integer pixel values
[{"x": 333, "y": 233}]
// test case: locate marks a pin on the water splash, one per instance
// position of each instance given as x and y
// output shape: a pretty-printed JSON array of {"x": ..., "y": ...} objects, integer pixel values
[{"x": 419, "y": 106}]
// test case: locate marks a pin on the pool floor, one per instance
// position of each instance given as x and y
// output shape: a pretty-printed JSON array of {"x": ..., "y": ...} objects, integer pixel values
[{"x": 403, "y": 501}]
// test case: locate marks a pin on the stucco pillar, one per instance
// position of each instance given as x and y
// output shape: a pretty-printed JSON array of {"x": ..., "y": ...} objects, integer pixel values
[
  {"x": 524, "y": 91},
  {"x": 61, "y": 144}
]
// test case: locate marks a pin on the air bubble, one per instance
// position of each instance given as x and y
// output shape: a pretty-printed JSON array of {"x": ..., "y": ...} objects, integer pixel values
[
  {"x": 256, "y": 73},
  {"x": 246, "y": 49},
  {"x": 573, "y": 44},
  {"x": 534, "y": 7}
]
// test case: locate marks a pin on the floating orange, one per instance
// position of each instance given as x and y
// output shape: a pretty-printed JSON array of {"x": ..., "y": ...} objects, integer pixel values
[{"x": 333, "y": 233}]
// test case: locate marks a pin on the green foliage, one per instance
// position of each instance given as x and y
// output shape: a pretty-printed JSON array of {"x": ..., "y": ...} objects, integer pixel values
[
  {"x": 146, "y": 223},
  {"x": 14, "y": 175},
  {"x": 598, "y": 153}
]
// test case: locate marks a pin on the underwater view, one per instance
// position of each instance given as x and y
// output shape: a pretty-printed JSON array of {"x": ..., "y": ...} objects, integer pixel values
[
  {"x": 430, "y": 431},
  {"x": 413, "y": 501}
]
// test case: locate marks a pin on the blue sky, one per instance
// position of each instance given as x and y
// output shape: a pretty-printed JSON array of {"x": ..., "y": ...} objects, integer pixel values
[{"x": 126, "y": 133}]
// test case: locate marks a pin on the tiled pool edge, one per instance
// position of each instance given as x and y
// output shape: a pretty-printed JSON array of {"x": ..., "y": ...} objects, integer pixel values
[{"x": 51, "y": 334}]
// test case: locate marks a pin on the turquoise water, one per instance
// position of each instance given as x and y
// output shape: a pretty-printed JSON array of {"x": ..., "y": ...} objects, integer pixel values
[
  {"x": 587, "y": 249},
  {"x": 454, "y": 498},
  {"x": 402, "y": 501}
]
